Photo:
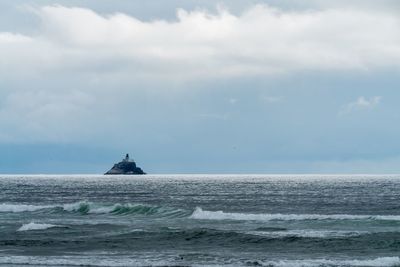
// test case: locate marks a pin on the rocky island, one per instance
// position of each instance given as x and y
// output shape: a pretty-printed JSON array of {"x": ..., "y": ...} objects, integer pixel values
[{"x": 126, "y": 166}]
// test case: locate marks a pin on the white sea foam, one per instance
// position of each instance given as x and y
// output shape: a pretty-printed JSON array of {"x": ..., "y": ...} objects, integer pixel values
[
  {"x": 87, "y": 207},
  {"x": 91, "y": 207},
  {"x": 102, "y": 210},
  {"x": 220, "y": 215},
  {"x": 74, "y": 206},
  {"x": 4, "y": 207},
  {"x": 36, "y": 226}
]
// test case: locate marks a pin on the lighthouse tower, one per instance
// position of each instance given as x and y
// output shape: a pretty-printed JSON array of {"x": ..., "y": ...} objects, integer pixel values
[{"x": 126, "y": 159}]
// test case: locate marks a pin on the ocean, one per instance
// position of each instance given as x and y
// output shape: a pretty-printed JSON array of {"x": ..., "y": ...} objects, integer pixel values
[{"x": 200, "y": 220}]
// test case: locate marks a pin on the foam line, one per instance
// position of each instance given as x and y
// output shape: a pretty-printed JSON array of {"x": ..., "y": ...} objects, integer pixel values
[
  {"x": 36, "y": 226},
  {"x": 221, "y": 215}
]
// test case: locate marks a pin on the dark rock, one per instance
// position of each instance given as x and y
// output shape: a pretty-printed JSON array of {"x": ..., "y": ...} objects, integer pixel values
[{"x": 126, "y": 166}]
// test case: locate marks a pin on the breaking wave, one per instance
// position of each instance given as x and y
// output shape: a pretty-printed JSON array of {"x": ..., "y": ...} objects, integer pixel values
[
  {"x": 221, "y": 215},
  {"x": 122, "y": 209},
  {"x": 4, "y": 207},
  {"x": 36, "y": 226},
  {"x": 84, "y": 207}
]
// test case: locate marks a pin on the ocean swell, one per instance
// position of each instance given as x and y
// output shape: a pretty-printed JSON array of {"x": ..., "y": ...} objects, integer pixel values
[
  {"x": 308, "y": 233},
  {"x": 101, "y": 261},
  {"x": 85, "y": 207},
  {"x": 123, "y": 209}
]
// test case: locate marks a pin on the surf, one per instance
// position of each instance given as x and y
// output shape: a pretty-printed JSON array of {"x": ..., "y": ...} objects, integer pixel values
[
  {"x": 16, "y": 208},
  {"x": 201, "y": 214},
  {"x": 32, "y": 226},
  {"x": 86, "y": 207}
]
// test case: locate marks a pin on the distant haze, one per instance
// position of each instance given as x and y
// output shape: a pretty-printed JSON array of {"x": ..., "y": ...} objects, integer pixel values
[{"x": 200, "y": 86}]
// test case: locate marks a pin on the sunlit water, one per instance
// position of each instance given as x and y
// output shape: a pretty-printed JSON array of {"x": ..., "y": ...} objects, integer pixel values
[{"x": 188, "y": 220}]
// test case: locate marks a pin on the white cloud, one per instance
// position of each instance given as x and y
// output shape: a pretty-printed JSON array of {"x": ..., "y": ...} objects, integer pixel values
[
  {"x": 362, "y": 103},
  {"x": 11, "y": 38},
  {"x": 84, "y": 48},
  {"x": 262, "y": 40}
]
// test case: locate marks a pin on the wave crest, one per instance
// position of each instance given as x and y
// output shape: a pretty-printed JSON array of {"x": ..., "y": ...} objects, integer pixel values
[
  {"x": 85, "y": 207},
  {"x": 121, "y": 209},
  {"x": 36, "y": 226},
  {"x": 4, "y": 207},
  {"x": 221, "y": 215}
]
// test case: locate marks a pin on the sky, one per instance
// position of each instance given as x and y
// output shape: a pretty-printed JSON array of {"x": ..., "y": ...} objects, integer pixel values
[{"x": 300, "y": 86}]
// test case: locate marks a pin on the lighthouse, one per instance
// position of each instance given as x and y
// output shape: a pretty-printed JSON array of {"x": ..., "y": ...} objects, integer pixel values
[
  {"x": 126, "y": 166},
  {"x": 126, "y": 158}
]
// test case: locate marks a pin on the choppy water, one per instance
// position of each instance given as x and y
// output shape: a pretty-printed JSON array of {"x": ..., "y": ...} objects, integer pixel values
[{"x": 200, "y": 220}]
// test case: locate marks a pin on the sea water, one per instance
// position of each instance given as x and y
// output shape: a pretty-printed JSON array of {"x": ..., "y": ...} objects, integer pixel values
[{"x": 197, "y": 220}]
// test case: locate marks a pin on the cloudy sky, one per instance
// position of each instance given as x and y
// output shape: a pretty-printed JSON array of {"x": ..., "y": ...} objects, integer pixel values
[{"x": 299, "y": 86}]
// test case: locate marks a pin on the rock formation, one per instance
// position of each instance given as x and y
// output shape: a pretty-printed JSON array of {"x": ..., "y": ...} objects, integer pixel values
[{"x": 126, "y": 166}]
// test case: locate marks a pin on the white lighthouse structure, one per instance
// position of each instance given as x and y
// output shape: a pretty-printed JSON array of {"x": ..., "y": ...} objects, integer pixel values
[{"x": 126, "y": 159}]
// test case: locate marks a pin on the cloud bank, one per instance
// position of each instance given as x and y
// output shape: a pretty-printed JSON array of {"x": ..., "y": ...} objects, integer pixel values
[
  {"x": 262, "y": 40},
  {"x": 259, "y": 87}
]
